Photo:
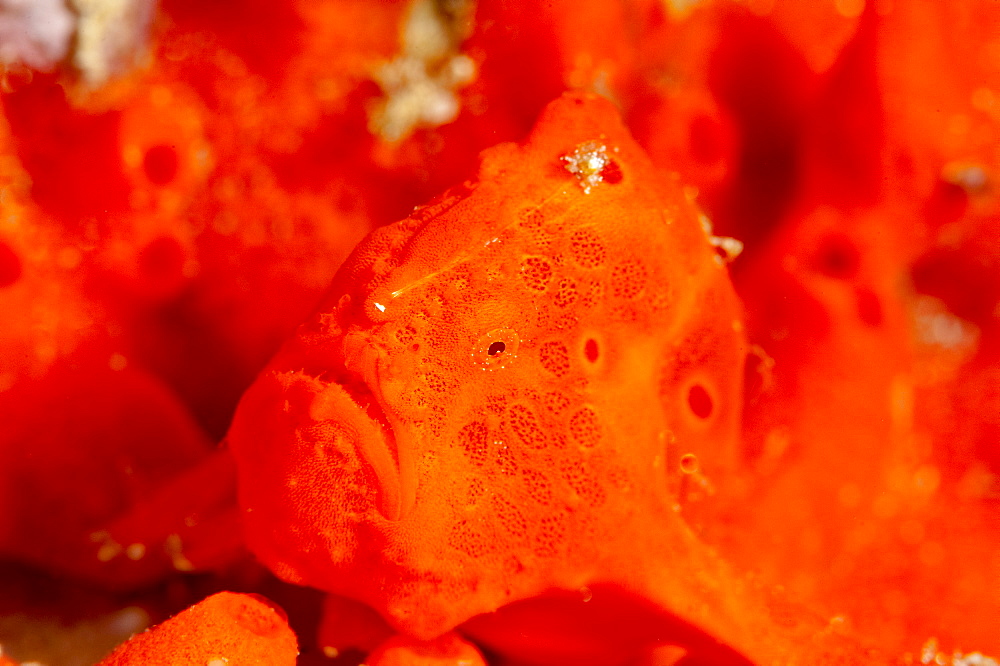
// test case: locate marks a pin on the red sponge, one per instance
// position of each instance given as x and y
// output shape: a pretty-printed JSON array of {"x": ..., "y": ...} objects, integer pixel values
[{"x": 226, "y": 628}]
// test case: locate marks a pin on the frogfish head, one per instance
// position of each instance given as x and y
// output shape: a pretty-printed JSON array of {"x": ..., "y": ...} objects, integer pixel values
[{"x": 500, "y": 391}]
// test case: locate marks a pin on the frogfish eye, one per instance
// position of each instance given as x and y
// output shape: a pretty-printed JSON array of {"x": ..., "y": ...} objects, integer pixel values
[{"x": 496, "y": 349}]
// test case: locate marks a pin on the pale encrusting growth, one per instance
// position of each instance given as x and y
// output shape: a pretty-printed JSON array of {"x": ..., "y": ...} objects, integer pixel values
[
  {"x": 110, "y": 36},
  {"x": 35, "y": 33},
  {"x": 421, "y": 84},
  {"x": 99, "y": 38},
  {"x": 930, "y": 654}
]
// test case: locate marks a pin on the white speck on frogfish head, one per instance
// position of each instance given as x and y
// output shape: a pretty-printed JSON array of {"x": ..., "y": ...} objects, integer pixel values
[{"x": 587, "y": 162}]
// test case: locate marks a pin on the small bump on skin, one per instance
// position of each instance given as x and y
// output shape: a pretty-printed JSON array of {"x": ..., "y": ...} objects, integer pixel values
[{"x": 588, "y": 163}]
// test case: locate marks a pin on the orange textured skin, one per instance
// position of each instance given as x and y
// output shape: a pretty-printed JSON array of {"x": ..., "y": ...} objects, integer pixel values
[
  {"x": 226, "y": 628},
  {"x": 386, "y": 455}
]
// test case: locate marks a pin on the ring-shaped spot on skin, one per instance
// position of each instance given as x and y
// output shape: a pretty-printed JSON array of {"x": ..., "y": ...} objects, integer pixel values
[{"x": 700, "y": 399}]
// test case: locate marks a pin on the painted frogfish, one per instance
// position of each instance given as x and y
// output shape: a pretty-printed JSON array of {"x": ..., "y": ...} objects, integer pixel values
[{"x": 497, "y": 403}]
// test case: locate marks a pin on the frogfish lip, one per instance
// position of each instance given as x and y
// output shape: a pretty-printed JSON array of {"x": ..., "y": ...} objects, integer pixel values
[{"x": 350, "y": 401}]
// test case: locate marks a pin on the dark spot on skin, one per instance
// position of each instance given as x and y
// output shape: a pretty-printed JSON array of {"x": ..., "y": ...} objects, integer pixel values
[
  {"x": 612, "y": 173},
  {"x": 699, "y": 401},
  {"x": 838, "y": 257},
  {"x": 160, "y": 164},
  {"x": 497, "y": 347},
  {"x": 591, "y": 351}
]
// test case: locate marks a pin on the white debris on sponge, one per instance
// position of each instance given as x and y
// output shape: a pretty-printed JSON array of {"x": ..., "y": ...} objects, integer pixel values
[
  {"x": 937, "y": 326},
  {"x": 35, "y": 33},
  {"x": 111, "y": 35},
  {"x": 971, "y": 177},
  {"x": 930, "y": 654},
  {"x": 421, "y": 84},
  {"x": 727, "y": 248},
  {"x": 587, "y": 162},
  {"x": 101, "y": 38}
]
